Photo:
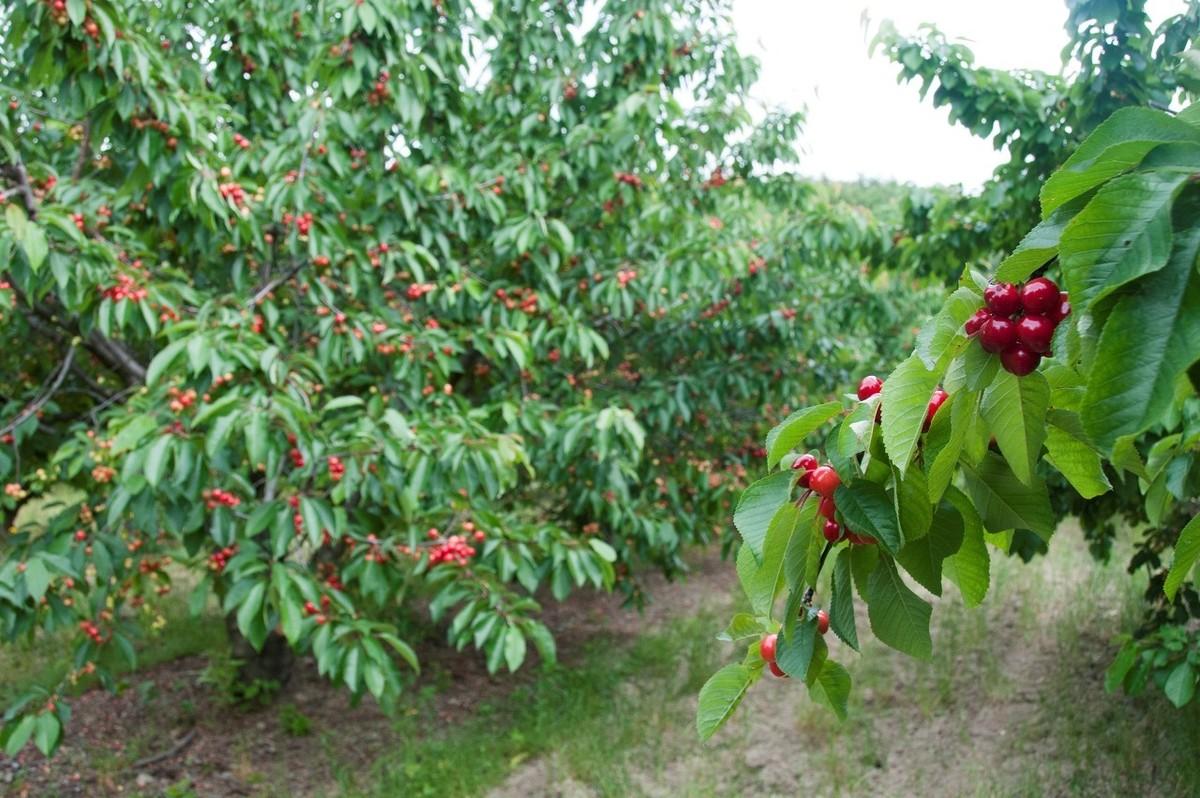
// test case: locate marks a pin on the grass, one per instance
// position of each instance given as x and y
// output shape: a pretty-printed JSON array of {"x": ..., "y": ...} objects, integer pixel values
[
  {"x": 46, "y": 658},
  {"x": 591, "y": 718}
]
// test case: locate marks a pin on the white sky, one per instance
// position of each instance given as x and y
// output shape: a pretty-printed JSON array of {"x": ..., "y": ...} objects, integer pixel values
[{"x": 860, "y": 122}]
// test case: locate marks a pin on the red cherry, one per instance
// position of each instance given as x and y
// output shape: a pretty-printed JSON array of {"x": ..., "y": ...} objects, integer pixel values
[
  {"x": 973, "y": 324},
  {"x": 1039, "y": 295},
  {"x": 869, "y": 386},
  {"x": 1035, "y": 332},
  {"x": 1002, "y": 299},
  {"x": 824, "y": 480},
  {"x": 775, "y": 669},
  {"x": 832, "y": 531},
  {"x": 998, "y": 334},
  {"x": 1062, "y": 309},
  {"x": 805, "y": 461},
  {"x": 766, "y": 647},
  {"x": 827, "y": 507},
  {"x": 935, "y": 403},
  {"x": 822, "y": 621},
  {"x": 1019, "y": 360}
]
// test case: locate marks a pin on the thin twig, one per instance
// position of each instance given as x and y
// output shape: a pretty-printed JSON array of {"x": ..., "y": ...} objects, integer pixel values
[
  {"x": 116, "y": 397},
  {"x": 304, "y": 155},
  {"x": 174, "y": 750},
  {"x": 85, "y": 150},
  {"x": 261, "y": 293},
  {"x": 53, "y": 385}
]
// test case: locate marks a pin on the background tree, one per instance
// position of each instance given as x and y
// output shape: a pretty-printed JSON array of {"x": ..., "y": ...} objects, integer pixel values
[
  {"x": 1112, "y": 59},
  {"x": 318, "y": 309}
]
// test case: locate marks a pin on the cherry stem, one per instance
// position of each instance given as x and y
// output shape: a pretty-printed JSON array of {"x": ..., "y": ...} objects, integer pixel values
[{"x": 808, "y": 594}]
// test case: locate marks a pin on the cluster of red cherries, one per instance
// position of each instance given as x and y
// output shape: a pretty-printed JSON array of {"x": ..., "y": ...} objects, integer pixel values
[
  {"x": 221, "y": 557},
  {"x": 91, "y": 630},
  {"x": 220, "y": 498},
  {"x": 318, "y": 614},
  {"x": 125, "y": 288},
  {"x": 823, "y": 480},
  {"x": 455, "y": 550},
  {"x": 297, "y": 518},
  {"x": 767, "y": 647},
  {"x": 1018, "y": 322},
  {"x": 336, "y": 468}
]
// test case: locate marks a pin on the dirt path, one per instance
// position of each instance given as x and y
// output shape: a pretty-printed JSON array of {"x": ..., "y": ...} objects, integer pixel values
[{"x": 1013, "y": 704}]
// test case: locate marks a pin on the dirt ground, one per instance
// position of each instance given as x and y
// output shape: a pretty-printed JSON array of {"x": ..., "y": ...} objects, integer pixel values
[{"x": 232, "y": 752}]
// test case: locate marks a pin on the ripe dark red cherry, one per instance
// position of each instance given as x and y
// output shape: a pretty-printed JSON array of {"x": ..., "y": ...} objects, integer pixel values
[
  {"x": 1039, "y": 295},
  {"x": 935, "y": 403},
  {"x": 1035, "y": 333},
  {"x": 997, "y": 335},
  {"x": 824, "y": 480},
  {"x": 822, "y": 621},
  {"x": 827, "y": 507},
  {"x": 1062, "y": 309},
  {"x": 869, "y": 386},
  {"x": 975, "y": 323},
  {"x": 766, "y": 648},
  {"x": 832, "y": 531},
  {"x": 805, "y": 461},
  {"x": 1003, "y": 299},
  {"x": 775, "y": 669},
  {"x": 1019, "y": 360}
]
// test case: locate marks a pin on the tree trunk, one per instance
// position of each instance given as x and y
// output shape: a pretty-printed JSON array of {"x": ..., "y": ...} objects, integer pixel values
[{"x": 273, "y": 664}]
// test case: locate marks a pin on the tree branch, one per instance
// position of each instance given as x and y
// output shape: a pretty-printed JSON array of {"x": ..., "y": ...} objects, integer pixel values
[
  {"x": 17, "y": 170},
  {"x": 37, "y": 404},
  {"x": 114, "y": 354}
]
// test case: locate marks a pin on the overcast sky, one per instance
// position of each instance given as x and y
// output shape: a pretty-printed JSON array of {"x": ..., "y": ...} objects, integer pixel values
[{"x": 860, "y": 121}]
